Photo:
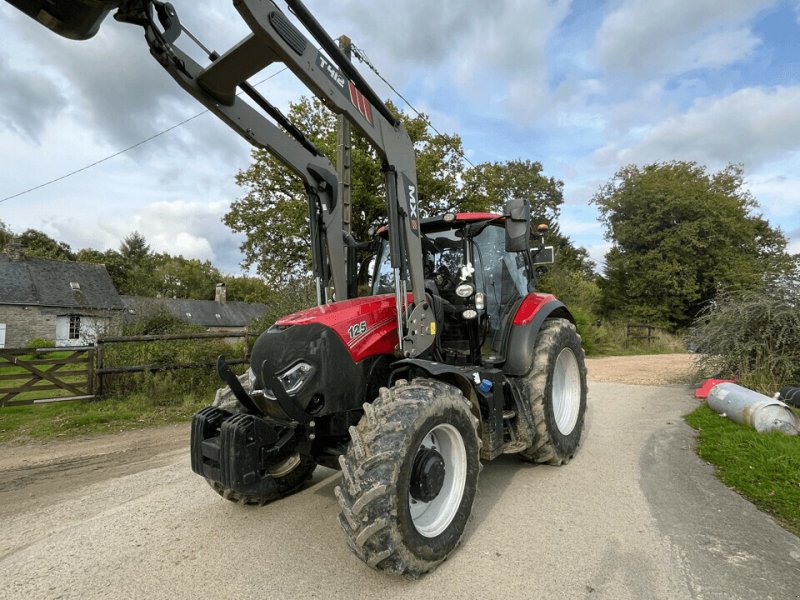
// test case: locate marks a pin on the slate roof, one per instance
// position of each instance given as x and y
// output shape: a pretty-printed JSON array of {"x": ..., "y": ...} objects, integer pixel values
[
  {"x": 43, "y": 282},
  {"x": 207, "y": 313}
]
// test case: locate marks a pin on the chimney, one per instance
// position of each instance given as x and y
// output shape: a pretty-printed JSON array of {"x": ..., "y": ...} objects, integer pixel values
[
  {"x": 15, "y": 252},
  {"x": 219, "y": 294}
]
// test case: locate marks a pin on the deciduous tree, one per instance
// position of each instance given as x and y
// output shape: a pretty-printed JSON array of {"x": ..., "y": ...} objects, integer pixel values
[
  {"x": 680, "y": 235},
  {"x": 38, "y": 244}
]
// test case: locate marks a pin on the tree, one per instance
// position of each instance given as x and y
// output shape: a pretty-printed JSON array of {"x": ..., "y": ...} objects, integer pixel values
[
  {"x": 680, "y": 235},
  {"x": 6, "y": 235},
  {"x": 247, "y": 289},
  {"x": 38, "y": 244},
  {"x": 179, "y": 277},
  {"x": 134, "y": 247},
  {"x": 166, "y": 276},
  {"x": 115, "y": 265},
  {"x": 488, "y": 186}
]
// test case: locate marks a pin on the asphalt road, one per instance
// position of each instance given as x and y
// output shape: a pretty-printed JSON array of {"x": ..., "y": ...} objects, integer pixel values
[{"x": 635, "y": 515}]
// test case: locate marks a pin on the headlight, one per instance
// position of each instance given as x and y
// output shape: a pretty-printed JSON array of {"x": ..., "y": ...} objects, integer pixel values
[
  {"x": 469, "y": 314},
  {"x": 465, "y": 290},
  {"x": 293, "y": 379}
]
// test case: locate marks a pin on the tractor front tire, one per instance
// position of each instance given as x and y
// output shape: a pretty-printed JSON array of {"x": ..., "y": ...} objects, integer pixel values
[
  {"x": 409, "y": 477},
  {"x": 555, "y": 388},
  {"x": 290, "y": 471}
]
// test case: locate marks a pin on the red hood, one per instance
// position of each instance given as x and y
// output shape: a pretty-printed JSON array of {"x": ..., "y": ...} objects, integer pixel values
[{"x": 368, "y": 326}]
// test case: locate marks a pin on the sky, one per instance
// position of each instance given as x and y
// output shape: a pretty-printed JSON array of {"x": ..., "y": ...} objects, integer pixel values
[{"x": 583, "y": 86}]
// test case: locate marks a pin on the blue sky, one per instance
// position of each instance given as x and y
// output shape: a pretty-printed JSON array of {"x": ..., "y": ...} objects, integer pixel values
[{"x": 585, "y": 87}]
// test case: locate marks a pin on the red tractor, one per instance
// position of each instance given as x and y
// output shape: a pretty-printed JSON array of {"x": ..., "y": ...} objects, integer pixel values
[{"x": 451, "y": 358}]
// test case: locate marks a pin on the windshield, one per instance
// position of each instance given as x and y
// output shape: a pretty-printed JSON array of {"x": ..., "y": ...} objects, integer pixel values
[{"x": 500, "y": 275}]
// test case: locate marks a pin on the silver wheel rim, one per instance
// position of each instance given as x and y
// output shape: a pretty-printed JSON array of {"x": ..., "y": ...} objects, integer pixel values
[
  {"x": 566, "y": 391},
  {"x": 432, "y": 518}
]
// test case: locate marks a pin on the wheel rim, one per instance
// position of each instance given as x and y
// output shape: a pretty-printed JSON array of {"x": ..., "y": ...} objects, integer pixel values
[
  {"x": 566, "y": 391},
  {"x": 432, "y": 518}
]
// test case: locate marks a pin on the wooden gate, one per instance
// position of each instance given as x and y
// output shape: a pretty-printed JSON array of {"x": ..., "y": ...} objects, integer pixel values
[{"x": 32, "y": 376}]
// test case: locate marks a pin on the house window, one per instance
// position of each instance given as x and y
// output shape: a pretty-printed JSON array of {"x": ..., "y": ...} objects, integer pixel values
[{"x": 74, "y": 327}]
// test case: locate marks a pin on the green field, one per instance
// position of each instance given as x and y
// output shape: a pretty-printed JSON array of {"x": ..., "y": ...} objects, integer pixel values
[{"x": 78, "y": 417}]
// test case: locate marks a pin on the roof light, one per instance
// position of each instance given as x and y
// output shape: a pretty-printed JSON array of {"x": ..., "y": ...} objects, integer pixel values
[{"x": 449, "y": 217}]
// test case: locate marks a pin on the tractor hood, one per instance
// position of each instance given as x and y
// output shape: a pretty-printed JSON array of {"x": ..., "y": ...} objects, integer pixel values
[
  {"x": 367, "y": 326},
  {"x": 325, "y": 356}
]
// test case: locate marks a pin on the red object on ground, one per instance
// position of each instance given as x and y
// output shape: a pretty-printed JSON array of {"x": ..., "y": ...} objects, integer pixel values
[{"x": 703, "y": 390}]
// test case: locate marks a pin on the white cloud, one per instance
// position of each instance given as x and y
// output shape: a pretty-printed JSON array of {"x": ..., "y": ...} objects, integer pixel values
[
  {"x": 654, "y": 38},
  {"x": 750, "y": 126},
  {"x": 27, "y": 101},
  {"x": 778, "y": 193},
  {"x": 493, "y": 54}
]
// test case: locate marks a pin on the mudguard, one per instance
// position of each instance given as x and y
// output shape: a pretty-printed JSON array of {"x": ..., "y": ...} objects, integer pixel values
[{"x": 525, "y": 326}]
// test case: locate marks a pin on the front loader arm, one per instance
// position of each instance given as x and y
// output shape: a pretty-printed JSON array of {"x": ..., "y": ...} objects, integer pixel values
[
  {"x": 332, "y": 78},
  {"x": 292, "y": 149}
]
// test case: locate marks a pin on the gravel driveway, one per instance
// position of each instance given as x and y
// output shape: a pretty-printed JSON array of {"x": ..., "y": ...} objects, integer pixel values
[{"x": 635, "y": 515}]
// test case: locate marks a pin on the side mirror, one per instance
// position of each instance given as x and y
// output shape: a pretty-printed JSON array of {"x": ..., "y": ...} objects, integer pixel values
[{"x": 518, "y": 225}]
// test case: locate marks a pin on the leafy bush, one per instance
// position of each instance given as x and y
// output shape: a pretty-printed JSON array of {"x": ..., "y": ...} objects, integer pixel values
[
  {"x": 169, "y": 386},
  {"x": 753, "y": 336},
  {"x": 573, "y": 289},
  {"x": 40, "y": 343}
]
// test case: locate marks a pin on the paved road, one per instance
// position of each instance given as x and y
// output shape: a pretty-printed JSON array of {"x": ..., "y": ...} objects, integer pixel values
[{"x": 635, "y": 515}]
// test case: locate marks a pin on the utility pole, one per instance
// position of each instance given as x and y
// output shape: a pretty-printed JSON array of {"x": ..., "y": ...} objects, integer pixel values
[{"x": 343, "y": 163}]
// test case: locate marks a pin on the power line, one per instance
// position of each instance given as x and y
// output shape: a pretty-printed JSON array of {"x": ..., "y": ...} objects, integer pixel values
[
  {"x": 357, "y": 52},
  {"x": 102, "y": 160},
  {"x": 124, "y": 150},
  {"x": 360, "y": 55}
]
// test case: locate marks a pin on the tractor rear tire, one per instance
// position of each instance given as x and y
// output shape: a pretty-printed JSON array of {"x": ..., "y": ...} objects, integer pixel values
[
  {"x": 409, "y": 477},
  {"x": 556, "y": 390},
  {"x": 290, "y": 471}
]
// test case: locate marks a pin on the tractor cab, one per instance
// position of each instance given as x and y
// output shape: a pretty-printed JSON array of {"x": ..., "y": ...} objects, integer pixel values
[{"x": 474, "y": 282}]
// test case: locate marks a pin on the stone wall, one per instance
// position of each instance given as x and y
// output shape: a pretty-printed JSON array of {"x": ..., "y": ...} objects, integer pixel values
[{"x": 24, "y": 323}]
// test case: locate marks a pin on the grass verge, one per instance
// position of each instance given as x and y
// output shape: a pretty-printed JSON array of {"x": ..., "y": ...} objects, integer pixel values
[
  {"x": 763, "y": 467},
  {"x": 71, "y": 419}
]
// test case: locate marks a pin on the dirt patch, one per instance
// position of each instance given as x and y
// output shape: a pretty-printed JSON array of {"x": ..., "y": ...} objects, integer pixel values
[
  {"x": 42, "y": 472},
  {"x": 651, "y": 369}
]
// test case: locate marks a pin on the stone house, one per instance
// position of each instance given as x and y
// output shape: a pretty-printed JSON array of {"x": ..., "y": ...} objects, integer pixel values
[
  {"x": 216, "y": 315},
  {"x": 68, "y": 303}
]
